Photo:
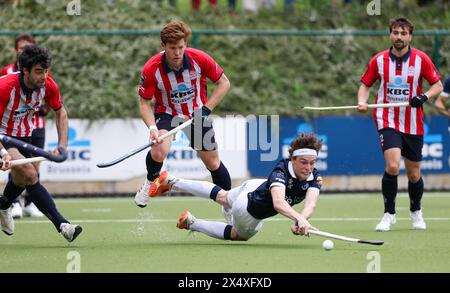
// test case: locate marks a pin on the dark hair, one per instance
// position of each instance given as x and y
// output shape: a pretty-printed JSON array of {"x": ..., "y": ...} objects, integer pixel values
[
  {"x": 174, "y": 31},
  {"x": 34, "y": 54},
  {"x": 305, "y": 141},
  {"x": 24, "y": 37},
  {"x": 402, "y": 22}
]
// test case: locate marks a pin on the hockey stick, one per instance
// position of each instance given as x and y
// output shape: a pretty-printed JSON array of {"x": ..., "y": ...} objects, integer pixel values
[
  {"x": 141, "y": 148},
  {"x": 344, "y": 238},
  {"x": 25, "y": 161},
  {"x": 370, "y": 106},
  {"x": 34, "y": 149}
]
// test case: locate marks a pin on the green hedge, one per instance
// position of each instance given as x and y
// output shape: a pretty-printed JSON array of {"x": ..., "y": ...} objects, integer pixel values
[{"x": 270, "y": 75}]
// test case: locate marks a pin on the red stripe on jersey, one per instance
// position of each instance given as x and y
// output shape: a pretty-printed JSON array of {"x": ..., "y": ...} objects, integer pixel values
[
  {"x": 412, "y": 63},
  {"x": 196, "y": 105},
  {"x": 14, "y": 108},
  {"x": 398, "y": 72},
  {"x": 39, "y": 121},
  {"x": 184, "y": 106},
  {"x": 27, "y": 125},
  {"x": 168, "y": 88},
  {"x": 185, "y": 109},
  {"x": 386, "y": 80}
]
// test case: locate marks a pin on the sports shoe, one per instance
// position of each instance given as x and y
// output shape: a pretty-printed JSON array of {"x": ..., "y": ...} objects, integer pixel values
[
  {"x": 32, "y": 211},
  {"x": 70, "y": 231},
  {"x": 142, "y": 196},
  {"x": 162, "y": 184},
  {"x": 7, "y": 221},
  {"x": 418, "y": 222},
  {"x": 385, "y": 224},
  {"x": 227, "y": 214},
  {"x": 16, "y": 210},
  {"x": 186, "y": 220}
]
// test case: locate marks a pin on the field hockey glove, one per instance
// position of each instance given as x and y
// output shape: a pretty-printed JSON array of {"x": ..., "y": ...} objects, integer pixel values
[
  {"x": 418, "y": 101},
  {"x": 201, "y": 115},
  {"x": 62, "y": 152},
  {"x": 43, "y": 110}
]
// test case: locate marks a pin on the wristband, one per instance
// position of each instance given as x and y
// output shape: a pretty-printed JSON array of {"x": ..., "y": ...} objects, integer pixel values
[
  {"x": 153, "y": 127},
  {"x": 3, "y": 152}
]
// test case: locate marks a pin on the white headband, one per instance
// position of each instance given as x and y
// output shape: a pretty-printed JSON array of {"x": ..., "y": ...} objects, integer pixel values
[{"x": 304, "y": 152}]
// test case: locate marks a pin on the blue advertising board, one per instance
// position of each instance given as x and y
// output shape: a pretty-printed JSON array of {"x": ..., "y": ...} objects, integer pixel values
[{"x": 350, "y": 144}]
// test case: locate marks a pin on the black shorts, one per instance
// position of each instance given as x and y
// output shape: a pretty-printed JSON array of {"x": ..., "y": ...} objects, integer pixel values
[
  {"x": 411, "y": 145},
  {"x": 27, "y": 139},
  {"x": 203, "y": 140},
  {"x": 38, "y": 137}
]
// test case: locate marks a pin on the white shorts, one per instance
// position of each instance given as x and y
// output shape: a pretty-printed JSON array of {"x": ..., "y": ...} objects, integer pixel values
[{"x": 245, "y": 224}]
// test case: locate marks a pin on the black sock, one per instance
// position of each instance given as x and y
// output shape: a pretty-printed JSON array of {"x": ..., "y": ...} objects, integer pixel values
[
  {"x": 389, "y": 188},
  {"x": 415, "y": 191},
  {"x": 44, "y": 202},
  {"x": 153, "y": 167},
  {"x": 27, "y": 198},
  {"x": 17, "y": 198},
  {"x": 10, "y": 194},
  {"x": 221, "y": 177},
  {"x": 227, "y": 232}
]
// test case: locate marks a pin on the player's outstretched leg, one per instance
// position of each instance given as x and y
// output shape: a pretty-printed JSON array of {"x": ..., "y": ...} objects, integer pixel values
[
  {"x": 218, "y": 230},
  {"x": 42, "y": 199}
]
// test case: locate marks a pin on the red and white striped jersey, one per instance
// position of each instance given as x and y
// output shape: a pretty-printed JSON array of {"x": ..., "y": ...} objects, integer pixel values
[
  {"x": 38, "y": 120},
  {"x": 400, "y": 80},
  {"x": 18, "y": 104},
  {"x": 178, "y": 93},
  {"x": 8, "y": 69}
]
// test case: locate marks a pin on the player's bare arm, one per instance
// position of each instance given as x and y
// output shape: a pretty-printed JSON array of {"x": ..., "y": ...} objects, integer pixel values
[
  {"x": 311, "y": 198},
  {"x": 282, "y": 207},
  {"x": 62, "y": 125},
  {"x": 363, "y": 97},
  {"x": 222, "y": 87},
  {"x": 435, "y": 90},
  {"x": 146, "y": 110},
  {"x": 440, "y": 105}
]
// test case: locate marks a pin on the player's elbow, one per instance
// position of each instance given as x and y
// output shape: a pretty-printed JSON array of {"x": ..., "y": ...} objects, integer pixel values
[
  {"x": 224, "y": 83},
  {"x": 311, "y": 207},
  {"x": 278, "y": 205}
]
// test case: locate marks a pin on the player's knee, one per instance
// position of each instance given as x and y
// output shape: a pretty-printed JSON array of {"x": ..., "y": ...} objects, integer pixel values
[
  {"x": 158, "y": 154},
  {"x": 414, "y": 177},
  {"x": 392, "y": 169},
  {"x": 212, "y": 164},
  {"x": 28, "y": 174}
]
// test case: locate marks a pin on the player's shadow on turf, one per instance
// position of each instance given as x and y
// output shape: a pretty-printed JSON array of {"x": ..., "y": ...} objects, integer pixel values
[
  {"x": 5, "y": 246},
  {"x": 244, "y": 245}
]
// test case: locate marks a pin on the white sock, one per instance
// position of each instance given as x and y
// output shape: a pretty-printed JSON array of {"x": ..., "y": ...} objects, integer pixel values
[
  {"x": 196, "y": 188},
  {"x": 210, "y": 228}
]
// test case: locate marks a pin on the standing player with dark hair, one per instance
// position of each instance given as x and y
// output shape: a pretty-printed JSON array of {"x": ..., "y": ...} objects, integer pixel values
[
  {"x": 38, "y": 135},
  {"x": 400, "y": 70},
  {"x": 290, "y": 182},
  {"x": 440, "y": 101},
  {"x": 176, "y": 78},
  {"x": 20, "y": 94}
]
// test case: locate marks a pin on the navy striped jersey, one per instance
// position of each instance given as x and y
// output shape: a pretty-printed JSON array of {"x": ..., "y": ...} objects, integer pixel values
[{"x": 260, "y": 204}]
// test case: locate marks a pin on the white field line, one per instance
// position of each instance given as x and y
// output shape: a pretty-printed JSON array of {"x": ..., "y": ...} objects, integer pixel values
[
  {"x": 108, "y": 221},
  {"x": 324, "y": 196}
]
